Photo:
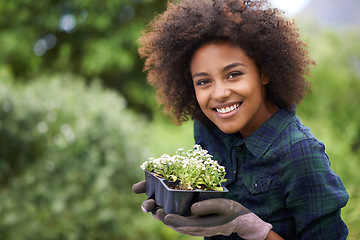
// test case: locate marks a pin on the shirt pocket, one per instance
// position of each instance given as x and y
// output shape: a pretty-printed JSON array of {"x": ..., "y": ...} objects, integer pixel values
[{"x": 257, "y": 185}]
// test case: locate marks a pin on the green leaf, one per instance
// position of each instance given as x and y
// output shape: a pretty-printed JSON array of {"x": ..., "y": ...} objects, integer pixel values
[
  {"x": 220, "y": 189},
  {"x": 173, "y": 178}
]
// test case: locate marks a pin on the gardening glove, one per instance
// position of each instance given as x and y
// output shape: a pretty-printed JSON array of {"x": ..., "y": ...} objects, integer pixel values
[
  {"x": 218, "y": 216},
  {"x": 149, "y": 205}
]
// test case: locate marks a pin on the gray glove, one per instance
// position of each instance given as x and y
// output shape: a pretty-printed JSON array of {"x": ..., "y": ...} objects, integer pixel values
[
  {"x": 211, "y": 217},
  {"x": 218, "y": 216},
  {"x": 149, "y": 205}
]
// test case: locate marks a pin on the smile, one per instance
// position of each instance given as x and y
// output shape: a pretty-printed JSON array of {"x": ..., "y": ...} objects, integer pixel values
[{"x": 228, "y": 109}]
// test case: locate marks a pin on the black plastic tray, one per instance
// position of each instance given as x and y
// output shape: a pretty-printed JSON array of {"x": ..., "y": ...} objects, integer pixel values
[{"x": 176, "y": 201}]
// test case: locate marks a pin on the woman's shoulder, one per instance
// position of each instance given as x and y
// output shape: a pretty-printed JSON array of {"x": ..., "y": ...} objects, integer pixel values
[
  {"x": 293, "y": 135},
  {"x": 295, "y": 131}
]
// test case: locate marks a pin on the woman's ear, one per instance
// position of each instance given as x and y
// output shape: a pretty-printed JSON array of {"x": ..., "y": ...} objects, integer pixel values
[{"x": 264, "y": 78}]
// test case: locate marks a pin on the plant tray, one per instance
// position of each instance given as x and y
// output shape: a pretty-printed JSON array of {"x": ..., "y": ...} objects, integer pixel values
[{"x": 176, "y": 201}]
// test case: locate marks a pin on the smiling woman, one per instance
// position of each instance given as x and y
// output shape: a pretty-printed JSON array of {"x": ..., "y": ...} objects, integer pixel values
[
  {"x": 238, "y": 69},
  {"x": 229, "y": 88},
  {"x": 274, "y": 46}
]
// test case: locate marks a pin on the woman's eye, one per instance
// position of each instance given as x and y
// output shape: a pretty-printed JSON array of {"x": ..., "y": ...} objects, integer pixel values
[
  {"x": 202, "y": 82},
  {"x": 234, "y": 75}
]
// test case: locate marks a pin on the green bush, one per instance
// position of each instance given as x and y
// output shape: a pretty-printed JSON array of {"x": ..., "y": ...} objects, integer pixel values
[{"x": 69, "y": 154}]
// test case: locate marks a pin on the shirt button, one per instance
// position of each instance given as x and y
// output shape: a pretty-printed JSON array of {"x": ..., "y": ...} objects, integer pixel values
[
  {"x": 239, "y": 148},
  {"x": 255, "y": 185}
]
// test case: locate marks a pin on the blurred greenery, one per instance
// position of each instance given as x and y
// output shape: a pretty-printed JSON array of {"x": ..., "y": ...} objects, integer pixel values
[
  {"x": 89, "y": 38},
  {"x": 77, "y": 118},
  {"x": 69, "y": 155}
]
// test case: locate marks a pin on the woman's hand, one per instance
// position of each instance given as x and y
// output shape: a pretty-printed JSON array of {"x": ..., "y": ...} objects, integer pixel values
[
  {"x": 211, "y": 217},
  {"x": 217, "y": 216},
  {"x": 149, "y": 205}
]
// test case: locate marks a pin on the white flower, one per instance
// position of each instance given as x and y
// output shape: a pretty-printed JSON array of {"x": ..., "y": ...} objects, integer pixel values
[{"x": 187, "y": 165}]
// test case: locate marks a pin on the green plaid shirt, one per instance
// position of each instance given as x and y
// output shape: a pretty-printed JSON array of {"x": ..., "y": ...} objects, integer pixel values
[{"x": 281, "y": 173}]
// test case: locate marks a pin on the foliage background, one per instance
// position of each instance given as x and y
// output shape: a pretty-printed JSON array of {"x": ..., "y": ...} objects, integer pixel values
[{"x": 77, "y": 118}]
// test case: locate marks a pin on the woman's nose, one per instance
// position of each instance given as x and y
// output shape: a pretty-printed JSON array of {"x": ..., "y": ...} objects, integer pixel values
[{"x": 221, "y": 91}]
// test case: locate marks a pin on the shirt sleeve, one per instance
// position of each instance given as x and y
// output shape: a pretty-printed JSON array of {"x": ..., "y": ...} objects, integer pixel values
[{"x": 313, "y": 192}]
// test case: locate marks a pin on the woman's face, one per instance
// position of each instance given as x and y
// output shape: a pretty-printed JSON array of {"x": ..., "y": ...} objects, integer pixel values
[{"x": 229, "y": 88}]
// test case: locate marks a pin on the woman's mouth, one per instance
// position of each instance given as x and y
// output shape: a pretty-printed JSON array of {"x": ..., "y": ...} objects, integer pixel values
[{"x": 228, "y": 109}]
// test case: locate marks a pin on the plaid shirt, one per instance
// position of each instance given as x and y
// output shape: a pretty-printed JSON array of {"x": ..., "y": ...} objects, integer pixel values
[{"x": 281, "y": 173}]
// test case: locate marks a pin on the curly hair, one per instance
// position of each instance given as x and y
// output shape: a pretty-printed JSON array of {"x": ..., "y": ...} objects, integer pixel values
[{"x": 170, "y": 39}]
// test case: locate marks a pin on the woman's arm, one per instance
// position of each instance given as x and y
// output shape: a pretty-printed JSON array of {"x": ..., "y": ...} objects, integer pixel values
[
  {"x": 315, "y": 194},
  {"x": 273, "y": 236}
]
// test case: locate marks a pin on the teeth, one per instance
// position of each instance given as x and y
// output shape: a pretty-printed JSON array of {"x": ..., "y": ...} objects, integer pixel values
[{"x": 228, "y": 109}]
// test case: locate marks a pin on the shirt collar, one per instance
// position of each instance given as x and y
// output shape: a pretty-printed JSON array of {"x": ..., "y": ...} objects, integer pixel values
[{"x": 260, "y": 140}]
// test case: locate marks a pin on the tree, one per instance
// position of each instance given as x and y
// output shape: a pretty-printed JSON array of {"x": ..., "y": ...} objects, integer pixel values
[{"x": 88, "y": 38}]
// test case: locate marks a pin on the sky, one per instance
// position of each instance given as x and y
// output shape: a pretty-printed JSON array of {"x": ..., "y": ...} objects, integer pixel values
[{"x": 291, "y": 7}]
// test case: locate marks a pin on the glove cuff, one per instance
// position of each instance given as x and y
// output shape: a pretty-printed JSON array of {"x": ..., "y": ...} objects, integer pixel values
[{"x": 251, "y": 227}]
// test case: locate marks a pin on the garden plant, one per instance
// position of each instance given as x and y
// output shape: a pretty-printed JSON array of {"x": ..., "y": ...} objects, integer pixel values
[{"x": 193, "y": 169}]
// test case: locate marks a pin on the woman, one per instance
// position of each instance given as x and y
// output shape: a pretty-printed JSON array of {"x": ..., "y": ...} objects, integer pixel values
[{"x": 238, "y": 69}]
